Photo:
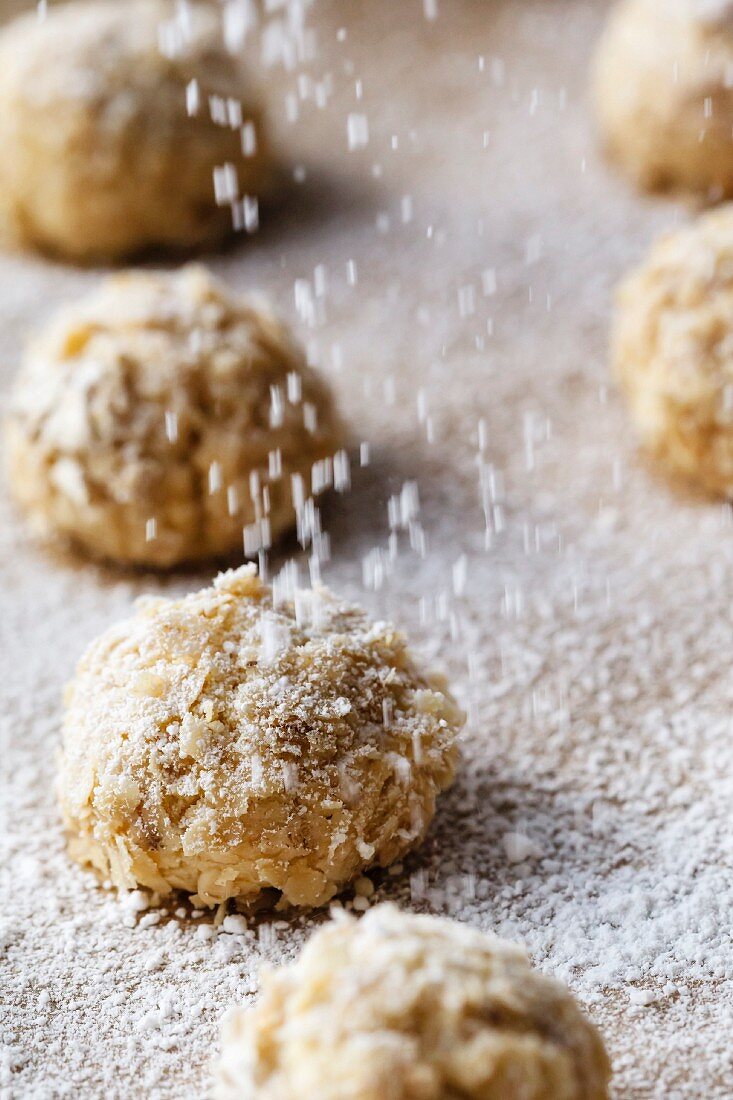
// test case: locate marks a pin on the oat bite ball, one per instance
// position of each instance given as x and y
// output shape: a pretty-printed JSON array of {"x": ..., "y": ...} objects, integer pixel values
[
  {"x": 405, "y": 1007},
  {"x": 664, "y": 96},
  {"x": 672, "y": 351},
  {"x": 113, "y": 117},
  {"x": 158, "y": 418},
  {"x": 232, "y": 743}
]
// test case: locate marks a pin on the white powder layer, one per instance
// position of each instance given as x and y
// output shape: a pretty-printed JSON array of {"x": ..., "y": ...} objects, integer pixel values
[{"x": 579, "y": 606}]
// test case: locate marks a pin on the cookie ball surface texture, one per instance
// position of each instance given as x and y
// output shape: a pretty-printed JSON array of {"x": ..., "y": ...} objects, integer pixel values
[
  {"x": 109, "y": 146},
  {"x": 157, "y": 419},
  {"x": 673, "y": 351},
  {"x": 663, "y": 93},
  {"x": 411, "y": 1008},
  {"x": 228, "y": 743}
]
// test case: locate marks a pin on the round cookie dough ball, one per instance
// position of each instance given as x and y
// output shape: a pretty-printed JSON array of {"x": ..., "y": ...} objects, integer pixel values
[
  {"x": 411, "y": 1008},
  {"x": 239, "y": 741},
  {"x": 113, "y": 118},
  {"x": 672, "y": 350},
  {"x": 158, "y": 418},
  {"x": 664, "y": 96}
]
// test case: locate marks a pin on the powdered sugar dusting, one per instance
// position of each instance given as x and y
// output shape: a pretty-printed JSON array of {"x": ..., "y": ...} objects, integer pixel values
[{"x": 586, "y": 629}]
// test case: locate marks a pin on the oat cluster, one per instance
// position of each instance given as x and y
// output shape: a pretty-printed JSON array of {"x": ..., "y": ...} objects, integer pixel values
[
  {"x": 663, "y": 94},
  {"x": 108, "y": 137},
  {"x": 157, "y": 419},
  {"x": 411, "y": 1008},
  {"x": 673, "y": 350},
  {"x": 228, "y": 744}
]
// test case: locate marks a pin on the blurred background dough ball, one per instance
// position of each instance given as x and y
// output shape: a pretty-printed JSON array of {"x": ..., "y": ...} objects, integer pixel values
[
  {"x": 235, "y": 742},
  {"x": 673, "y": 350},
  {"x": 155, "y": 420},
  {"x": 109, "y": 145},
  {"x": 411, "y": 1008},
  {"x": 664, "y": 94}
]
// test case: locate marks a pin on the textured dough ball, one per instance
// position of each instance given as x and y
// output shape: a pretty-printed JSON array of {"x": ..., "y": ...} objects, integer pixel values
[
  {"x": 410, "y": 1007},
  {"x": 235, "y": 741},
  {"x": 154, "y": 421},
  {"x": 663, "y": 93},
  {"x": 109, "y": 144},
  {"x": 673, "y": 350}
]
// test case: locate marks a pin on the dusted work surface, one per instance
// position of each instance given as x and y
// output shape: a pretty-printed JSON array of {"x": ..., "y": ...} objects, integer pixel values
[{"x": 453, "y": 277}]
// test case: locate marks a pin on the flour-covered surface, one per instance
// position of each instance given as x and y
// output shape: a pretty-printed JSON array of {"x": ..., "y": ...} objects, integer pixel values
[{"x": 453, "y": 276}]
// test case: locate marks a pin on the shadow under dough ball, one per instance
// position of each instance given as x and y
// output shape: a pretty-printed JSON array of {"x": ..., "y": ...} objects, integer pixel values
[
  {"x": 240, "y": 741},
  {"x": 410, "y": 1007},
  {"x": 108, "y": 141},
  {"x": 663, "y": 93},
  {"x": 672, "y": 350},
  {"x": 155, "y": 421}
]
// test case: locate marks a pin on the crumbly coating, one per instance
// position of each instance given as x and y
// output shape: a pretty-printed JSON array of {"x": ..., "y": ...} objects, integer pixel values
[
  {"x": 232, "y": 742},
  {"x": 663, "y": 93},
  {"x": 410, "y": 1007},
  {"x": 105, "y": 153},
  {"x": 673, "y": 350},
  {"x": 158, "y": 418}
]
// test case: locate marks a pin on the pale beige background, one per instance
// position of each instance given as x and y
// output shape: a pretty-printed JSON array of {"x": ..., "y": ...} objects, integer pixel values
[{"x": 592, "y": 638}]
